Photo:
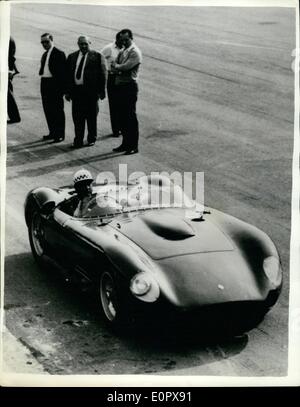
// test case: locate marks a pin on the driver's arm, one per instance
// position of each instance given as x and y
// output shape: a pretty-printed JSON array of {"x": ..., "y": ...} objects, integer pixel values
[{"x": 77, "y": 211}]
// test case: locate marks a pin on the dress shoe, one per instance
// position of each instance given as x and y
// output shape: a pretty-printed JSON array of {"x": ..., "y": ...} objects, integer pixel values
[
  {"x": 133, "y": 151},
  {"x": 119, "y": 149},
  {"x": 13, "y": 121},
  {"x": 76, "y": 145},
  {"x": 48, "y": 137},
  {"x": 58, "y": 140},
  {"x": 90, "y": 144}
]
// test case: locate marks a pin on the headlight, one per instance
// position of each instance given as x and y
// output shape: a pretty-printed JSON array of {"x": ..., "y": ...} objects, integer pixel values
[
  {"x": 272, "y": 270},
  {"x": 144, "y": 286},
  {"x": 140, "y": 284}
]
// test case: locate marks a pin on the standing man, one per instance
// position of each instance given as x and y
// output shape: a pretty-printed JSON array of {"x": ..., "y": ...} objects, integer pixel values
[
  {"x": 12, "y": 107},
  {"x": 53, "y": 75},
  {"x": 110, "y": 53},
  {"x": 126, "y": 68},
  {"x": 86, "y": 84}
]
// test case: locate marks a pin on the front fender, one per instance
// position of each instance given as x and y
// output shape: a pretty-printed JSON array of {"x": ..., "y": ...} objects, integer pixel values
[
  {"x": 254, "y": 244},
  {"x": 246, "y": 236},
  {"x": 125, "y": 259}
]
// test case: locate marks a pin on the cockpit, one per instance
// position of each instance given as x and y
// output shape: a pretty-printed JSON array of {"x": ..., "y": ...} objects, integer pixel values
[{"x": 113, "y": 199}]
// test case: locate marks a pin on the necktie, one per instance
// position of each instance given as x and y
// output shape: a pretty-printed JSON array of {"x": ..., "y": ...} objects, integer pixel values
[
  {"x": 119, "y": 57},
  {"x": 44, "y": 57},
  {"x": 79, "y": 69}
]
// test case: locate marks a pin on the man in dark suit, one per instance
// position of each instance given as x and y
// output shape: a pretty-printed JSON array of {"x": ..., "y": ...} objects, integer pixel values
[
  {"x": 86, "y": 81},
  {"x": 12, "y": 107},
  {"x": 53, "y": 76}
]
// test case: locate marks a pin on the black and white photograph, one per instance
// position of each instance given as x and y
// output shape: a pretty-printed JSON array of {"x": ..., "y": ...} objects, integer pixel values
[{"x": 149, "y": 193}]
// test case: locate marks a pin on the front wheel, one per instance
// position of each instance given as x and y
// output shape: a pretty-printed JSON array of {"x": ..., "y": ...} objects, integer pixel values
[
  {"x": 36, "y": 237},
  {"x": 115, "y": 310}
]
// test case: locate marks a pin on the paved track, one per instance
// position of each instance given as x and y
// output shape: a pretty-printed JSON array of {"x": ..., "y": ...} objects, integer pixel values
[{"x": 216, "y": 95}]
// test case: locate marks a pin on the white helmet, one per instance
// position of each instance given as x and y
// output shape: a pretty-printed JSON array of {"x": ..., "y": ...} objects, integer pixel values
[{"x": 82, "y": 175}]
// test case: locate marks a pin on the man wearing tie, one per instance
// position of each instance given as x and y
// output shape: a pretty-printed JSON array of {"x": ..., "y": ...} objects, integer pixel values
[
  {"x": 86, "y": 81},
  {"x": 53, "y": 75}
]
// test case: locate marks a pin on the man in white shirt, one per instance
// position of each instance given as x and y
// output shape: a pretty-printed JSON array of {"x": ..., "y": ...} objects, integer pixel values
[
  {"x": 86, "y": 82},
  {"x": 110, "y": 53},
  {"x": 53, "y": 76},
  {"x": 126, "y": 68}
]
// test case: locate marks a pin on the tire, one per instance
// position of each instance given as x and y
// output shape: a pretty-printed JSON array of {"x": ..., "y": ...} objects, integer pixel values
[
  {"x": 111, "y": 302},
  {"x": 36, "y": 237}
]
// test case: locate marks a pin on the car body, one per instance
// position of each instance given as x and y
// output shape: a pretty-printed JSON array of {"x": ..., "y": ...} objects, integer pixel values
[{"x": 146, "y": 257}]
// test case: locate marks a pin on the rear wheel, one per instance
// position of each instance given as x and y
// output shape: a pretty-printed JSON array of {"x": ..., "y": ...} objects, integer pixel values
[{"x": 36, "y": 237}]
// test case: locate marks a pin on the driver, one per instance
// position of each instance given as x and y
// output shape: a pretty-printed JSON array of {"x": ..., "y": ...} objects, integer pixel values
[{"x": 82, "y": 183}]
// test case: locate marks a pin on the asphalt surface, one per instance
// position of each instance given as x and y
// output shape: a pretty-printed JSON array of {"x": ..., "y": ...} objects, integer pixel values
[{"x": 216, "y": 96}]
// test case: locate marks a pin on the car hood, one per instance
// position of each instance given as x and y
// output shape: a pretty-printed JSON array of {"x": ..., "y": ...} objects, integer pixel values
[
  {"x": 167, "y": 233},
  {"x": 210, "y": 278}
]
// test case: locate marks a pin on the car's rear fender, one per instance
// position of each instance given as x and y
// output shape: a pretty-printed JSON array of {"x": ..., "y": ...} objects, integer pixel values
[{"x": 42, "y": 199}]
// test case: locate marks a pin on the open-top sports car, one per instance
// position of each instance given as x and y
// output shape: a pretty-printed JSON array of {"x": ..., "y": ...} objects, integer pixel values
[{"x": 149, "y": 251}]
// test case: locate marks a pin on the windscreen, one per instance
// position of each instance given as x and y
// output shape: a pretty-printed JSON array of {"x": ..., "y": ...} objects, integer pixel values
[{"x": 118, "y": 199}]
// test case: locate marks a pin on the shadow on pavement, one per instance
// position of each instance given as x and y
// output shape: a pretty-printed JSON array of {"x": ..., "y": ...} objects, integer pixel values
[
  {"x": 110, "y": 136},
  {"x": 21, "y": 146},
  {"x": 46, "y": 169},
  {"x": 41, "y": 152}
]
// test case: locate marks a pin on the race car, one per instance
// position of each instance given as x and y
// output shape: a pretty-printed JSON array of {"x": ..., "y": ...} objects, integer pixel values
[{"x": 151, "y": 252}]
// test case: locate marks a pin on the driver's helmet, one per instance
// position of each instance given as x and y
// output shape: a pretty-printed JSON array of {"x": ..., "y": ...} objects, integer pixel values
[{"x": 82, "y": 175}]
